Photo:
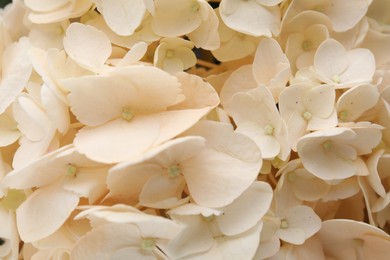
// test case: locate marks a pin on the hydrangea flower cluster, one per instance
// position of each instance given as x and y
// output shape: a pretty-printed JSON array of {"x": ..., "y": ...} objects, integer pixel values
[{"x": 195, "y": 129}]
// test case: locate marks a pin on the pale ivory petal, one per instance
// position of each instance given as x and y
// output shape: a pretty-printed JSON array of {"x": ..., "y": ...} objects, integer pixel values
[
  {"x": 123, "y": 176},
  {"x": 342, "y": 190},
  {"x": 368, "y": 136},
  {"x": 345, "y": 15},
  {"x": 44, "y": 212},
  {"x": 35, "y": 174},
  {"x": 270, "y": 65},
  {"x": 197, "y": 92},
  {"x": 269, "y": 2},
  {"x": 377, "y": 42},
  {"x": 355, "y": 101},
  {"x": 326, "y": 155},
  {"x": 32, "y": 121},
  {"x": 291, "y": 100},
  {"x": 343, "y": 239},
  {"x": 250, "y": 17},
  {"x": 177, "y": 17},
  {"x": 330, "y": 60},
  {"x": 194, "y": 238},
  {"x": 373, "y": 178},
  {"x": 97, "y": 99},
  {"x": 134, "y": 55},
  {"x": 120, "y": 140},
  {"x": 70, "y": 10},
  {"x": 131, "y": 253},
  {"x": 88, "y": 182},
  {"x": 88, "y": 46},
  {"x": 233, "y": 168},
  {"x": 302, "y": 223},
  {"x": 103, "y": 241},
  {"x": 206, "y": 35},
  {"x": 8, "y": 129},
  {"x": 247, "y": 210},
  {"x": 241, "y": 80},
  {"x": 16, "y": 70},
  {"x": 123, "y": 17},
  {"x": 163, "y": 192},
  {"x": 320, "y": 101},
  {"x": 56, "y": 110},
  {"x": 308, "y": 187},
  {"x": 361, "y": 66},
  {"x": 241, "y": 246},
  {"x": 45, "y": 6}
]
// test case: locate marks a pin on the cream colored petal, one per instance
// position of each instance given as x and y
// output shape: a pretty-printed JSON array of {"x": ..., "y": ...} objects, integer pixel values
[
  {"x": 44, "y": 212},
  {"x": 130, "y": 253},
  {"x": 16, "y": 70},
  {"x": 215, "y": 178},
  {"x": 345, "y": 238},
  {"x": 330, "y": 60},
  {"x": 8, "y": 130},
  {"x": 307, "y": 187},
  {"x": 162, "y": 192},
  {"x": 121, "y": 177},
  {"x": 355, "y": 101},
  {"x": 118, "y": 140},
  {"x": 241, "y": 246},
  {"x": 326, "y": 157},
  {"x": 250, "y": 17},
  {"x": 45, "y": 6},
  {"x": 89, "y": 183},
  {"x": 270, "y": 65},
  {"x": 56, "y": 110},
  {"x": 296, "y": 128},
  {"x": 268, "y": 144},
  {"x": 241, "y": 80},
  {"x": 206, "y": 35},
  {"x": 88, "y": 46},
  {"x": 299, "y": 219},
  {"x": 194, "y": 238},
  {"x": 345, "y": 15},
  {"x": 123, "y": 17},
  {"x": 373, "y": 178},
  {"x": 70, "y": 10},
  {"x": 342, "y": 190},
  {"x": 361, "y": 67},
  {"x": 197, "y": 92},
  {"x": 102, "y": 242},
  {"x": 247, "y": 210},
  {"x": 320, "y": 100},
  {"x": 98, "y": 99},
  {"x": 175, "y": 18}
]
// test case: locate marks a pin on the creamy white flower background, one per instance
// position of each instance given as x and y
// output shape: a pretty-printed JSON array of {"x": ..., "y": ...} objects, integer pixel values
[{"x": 194, "y": 129}]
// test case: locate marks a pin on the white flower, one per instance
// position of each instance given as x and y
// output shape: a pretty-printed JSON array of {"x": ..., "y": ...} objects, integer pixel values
[{"x": 335, "y": 65}]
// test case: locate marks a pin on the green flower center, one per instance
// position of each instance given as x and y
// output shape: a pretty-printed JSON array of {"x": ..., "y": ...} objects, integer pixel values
[
  {"x": 71, "y": 170},
  {"x": 268, "y": 130},
  {"x": 307, "y": 115},
  {"x": 127, "y": 114},
  {"x": 327, "y": 146},
  {"x": 283, "y": 224},
  {"x": 147, "y": 245},
  {"x": 174, "y": 171}
]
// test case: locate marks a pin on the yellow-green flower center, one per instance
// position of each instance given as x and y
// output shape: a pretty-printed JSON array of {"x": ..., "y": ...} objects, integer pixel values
[
  {"x": 307, "y": 115},
  {"x": 327, "y": 146},
  {"x": 71, "y": 170},
  {"x": 170, "y": 54},
  {"x": 336, "y": 79},
  {"x": 283, "y": 224},
  {"x": 127, "y": 114},
  {"x": 174, "y": 171},
  {"x": 268, "y": 130},
  {"x": 307, "y": 45},
  {"x": 343, "y": 115},
  {"x": 209, "y": 218},
  {"x": 147, "y": 245}
]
